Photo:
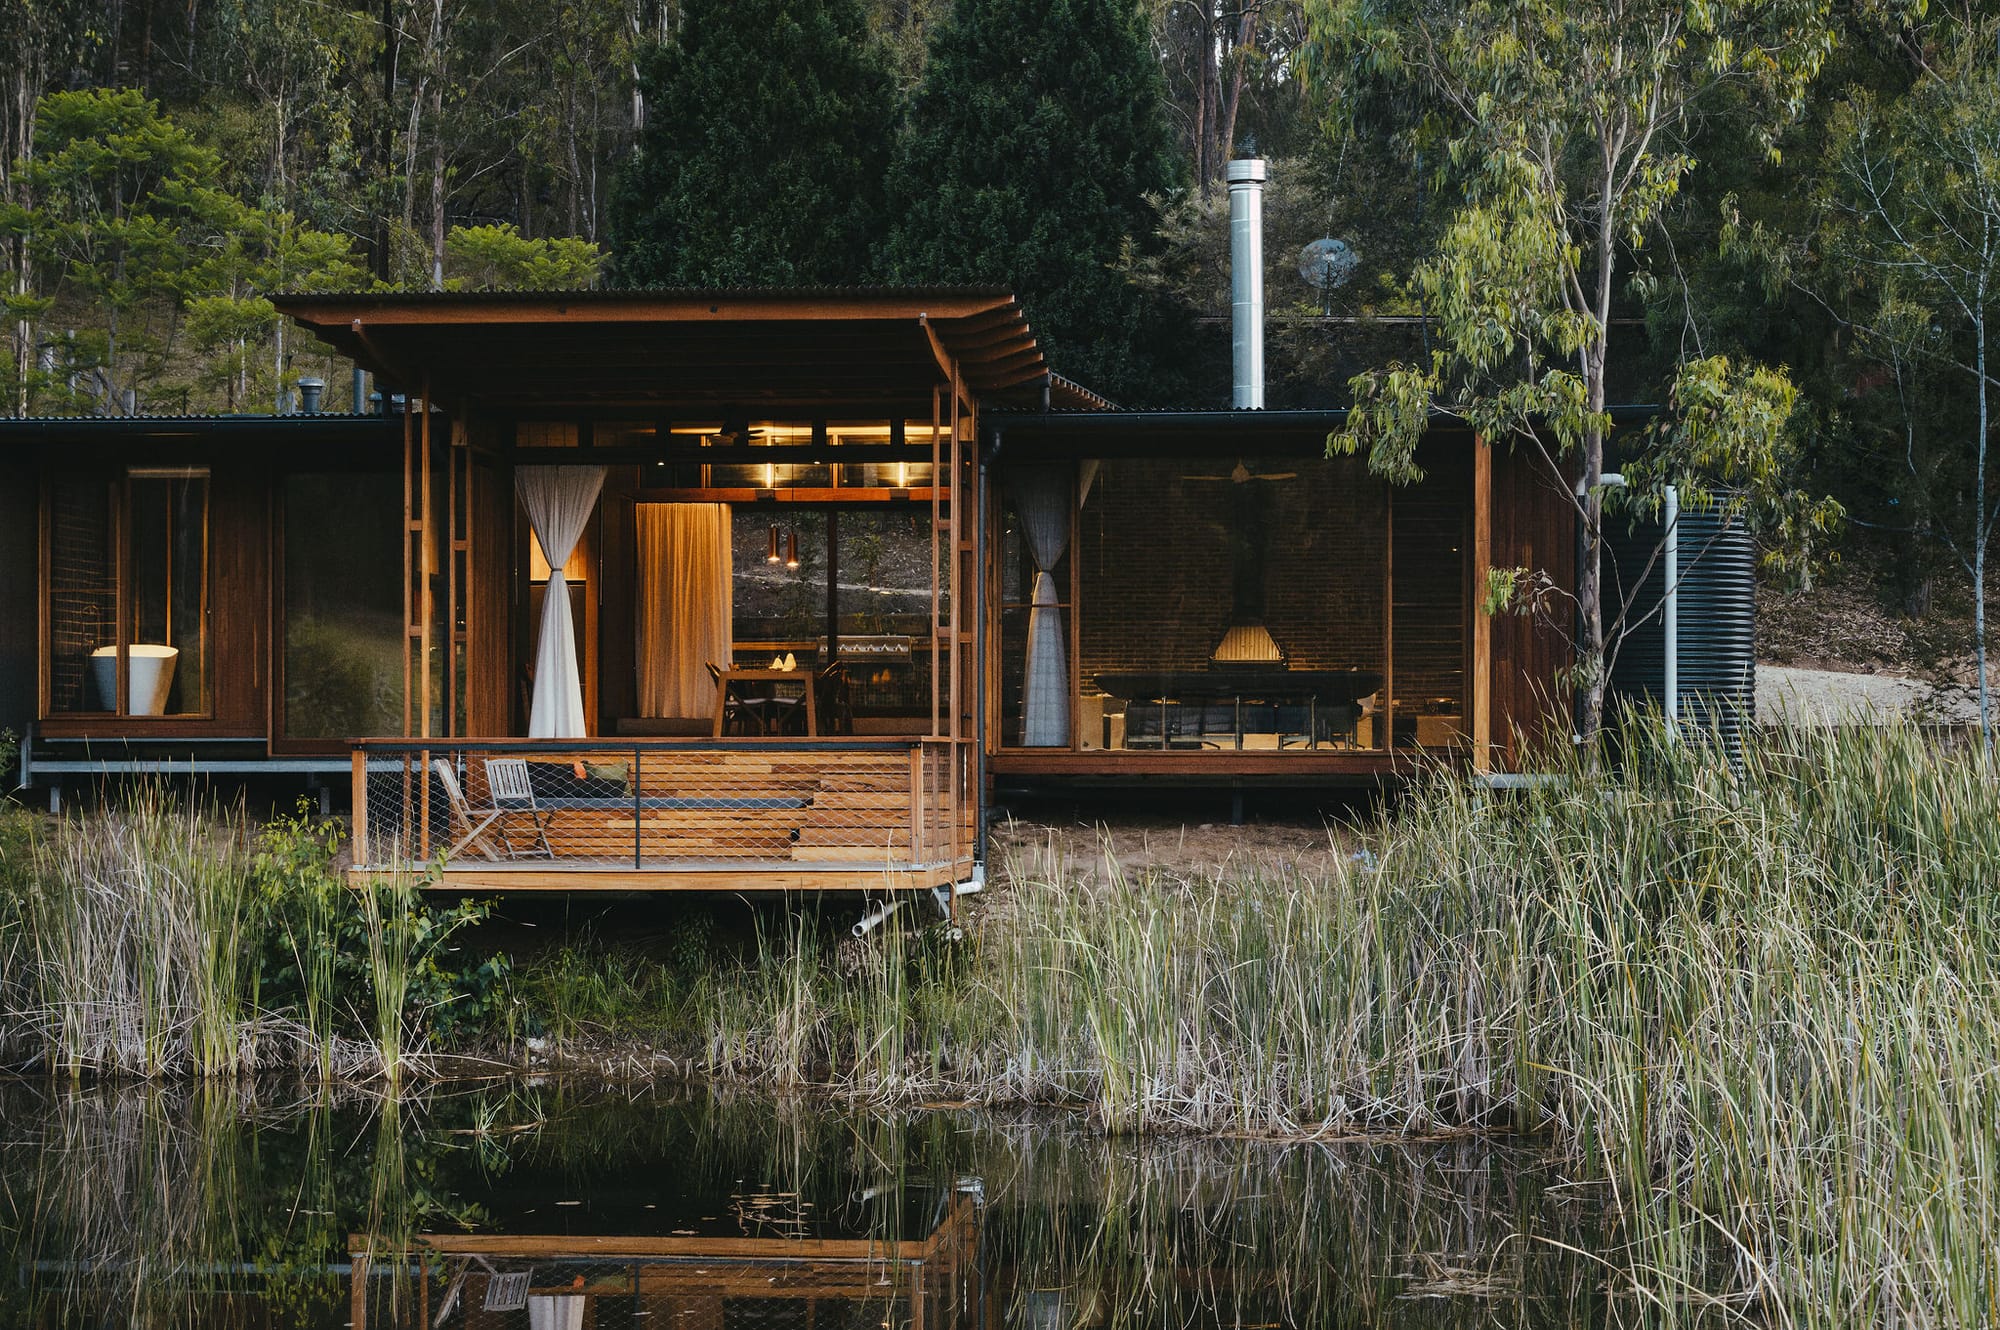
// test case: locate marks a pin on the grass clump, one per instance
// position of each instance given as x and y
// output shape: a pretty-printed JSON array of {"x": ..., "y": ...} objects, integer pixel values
[{"x": 155, "y": 938}]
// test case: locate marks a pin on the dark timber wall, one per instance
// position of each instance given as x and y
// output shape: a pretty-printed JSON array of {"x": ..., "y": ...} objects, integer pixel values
[
  {"x": 20, "y": 600},
  {"x": 1534, "y": 526}
]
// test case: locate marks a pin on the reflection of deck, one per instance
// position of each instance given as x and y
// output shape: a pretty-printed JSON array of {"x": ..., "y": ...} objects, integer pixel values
[
  {"x": 602, "y": 1282},
  {"x": 650, "y": 815}
]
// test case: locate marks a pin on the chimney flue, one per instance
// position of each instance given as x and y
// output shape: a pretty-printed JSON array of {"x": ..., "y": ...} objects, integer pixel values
[
  {"x": 1246, "y": 280},
  {"x": 309, "y": 395}
]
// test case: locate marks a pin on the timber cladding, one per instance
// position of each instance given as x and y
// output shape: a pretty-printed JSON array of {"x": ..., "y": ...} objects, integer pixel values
[
  {"x": 1534, "y": 526},
  {"x": 20, "y": 636}
]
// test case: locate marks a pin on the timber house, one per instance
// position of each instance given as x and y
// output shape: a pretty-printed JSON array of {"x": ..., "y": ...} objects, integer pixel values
[{"x": 748, "y": 589}]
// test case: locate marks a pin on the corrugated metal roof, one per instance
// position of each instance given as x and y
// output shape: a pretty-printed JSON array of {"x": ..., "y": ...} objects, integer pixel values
[
  {"x": 146, "y": 418},
  {"x": 863, "y": 291}
]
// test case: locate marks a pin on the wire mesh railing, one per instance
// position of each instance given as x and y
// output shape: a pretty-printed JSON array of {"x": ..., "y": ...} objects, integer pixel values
[{"x": 662, "y": 805}]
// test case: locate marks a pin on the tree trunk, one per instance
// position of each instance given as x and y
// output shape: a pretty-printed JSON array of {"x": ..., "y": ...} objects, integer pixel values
[
  {"x": 1204, "y": 84},
  {"x": 385, "y": 147},
  {"x": 437, "y": 73},
  {"x": 1593, "y": 662},
  {"x": 1246, "y": 33},
  {"x": 20, "y": 145},
  {"x": 1981, "y": 535}
]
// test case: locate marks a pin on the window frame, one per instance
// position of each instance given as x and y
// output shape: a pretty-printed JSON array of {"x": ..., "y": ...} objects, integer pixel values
[{"x": 116, "y": 478}]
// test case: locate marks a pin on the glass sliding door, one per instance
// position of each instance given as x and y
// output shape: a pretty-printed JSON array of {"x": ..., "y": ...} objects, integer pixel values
[
  {"x": 1225, "y": 604},
  {"x": 343, "y": 656}
]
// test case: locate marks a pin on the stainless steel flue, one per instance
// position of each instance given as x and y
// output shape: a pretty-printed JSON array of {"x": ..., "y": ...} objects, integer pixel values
[{"x": 1246, "y": 280}]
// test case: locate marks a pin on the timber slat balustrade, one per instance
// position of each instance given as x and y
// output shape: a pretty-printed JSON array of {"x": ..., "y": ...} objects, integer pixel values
[{"x": 664, "y": 814}]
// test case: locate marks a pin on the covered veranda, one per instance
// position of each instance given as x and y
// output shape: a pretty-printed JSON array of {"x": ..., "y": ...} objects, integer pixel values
[{"x": 679, "y": 574}]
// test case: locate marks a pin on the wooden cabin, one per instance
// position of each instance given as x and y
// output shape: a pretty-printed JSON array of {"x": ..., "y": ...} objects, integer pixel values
[{"x": 833, "y": 565}]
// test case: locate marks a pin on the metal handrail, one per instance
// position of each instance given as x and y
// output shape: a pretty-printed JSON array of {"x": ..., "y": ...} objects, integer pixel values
[
  {"x": 937, "y": 787},
  {"x": 890, "y": 744}
]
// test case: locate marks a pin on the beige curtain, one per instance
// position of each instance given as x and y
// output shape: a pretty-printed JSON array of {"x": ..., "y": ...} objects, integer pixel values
[{"x": 685, "y": 589}]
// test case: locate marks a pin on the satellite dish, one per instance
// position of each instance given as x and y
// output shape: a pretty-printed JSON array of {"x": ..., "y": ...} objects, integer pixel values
[{"x": 1326, "y": 264}]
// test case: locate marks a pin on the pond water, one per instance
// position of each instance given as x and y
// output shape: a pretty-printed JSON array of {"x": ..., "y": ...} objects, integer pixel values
[{"x": 559, "y": 1206}]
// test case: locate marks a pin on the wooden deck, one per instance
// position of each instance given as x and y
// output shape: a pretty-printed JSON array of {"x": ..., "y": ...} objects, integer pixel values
[
  {"x": 674, "y": 875},
  {"x": 1308, "y": 767},
  {"x": 741, "y": 815}
]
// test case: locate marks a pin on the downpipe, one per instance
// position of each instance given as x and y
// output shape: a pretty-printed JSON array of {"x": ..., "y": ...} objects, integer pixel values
[{"x": 875, "y": 917}]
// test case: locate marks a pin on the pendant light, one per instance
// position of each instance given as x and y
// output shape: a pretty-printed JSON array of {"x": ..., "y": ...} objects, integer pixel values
[
  {"x": 774, "y": 556},
  {"x": 792, "y": 550}
]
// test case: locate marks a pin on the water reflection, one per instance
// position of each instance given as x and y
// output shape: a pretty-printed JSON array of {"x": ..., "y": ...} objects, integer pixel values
[{"x": 568, "y": 1206}]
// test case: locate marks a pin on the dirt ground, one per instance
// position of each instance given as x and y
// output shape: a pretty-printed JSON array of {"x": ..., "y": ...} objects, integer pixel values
[{"x": 1038, "y": 844}]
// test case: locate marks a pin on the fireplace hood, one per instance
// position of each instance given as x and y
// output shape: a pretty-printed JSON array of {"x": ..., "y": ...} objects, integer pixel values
[{"x": 1247, "y": 642}]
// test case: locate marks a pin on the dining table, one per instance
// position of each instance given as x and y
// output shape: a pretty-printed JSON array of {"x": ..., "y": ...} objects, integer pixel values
[
  {"x": 1238, "y": 686},
  {"x": 765, "y": 681}
]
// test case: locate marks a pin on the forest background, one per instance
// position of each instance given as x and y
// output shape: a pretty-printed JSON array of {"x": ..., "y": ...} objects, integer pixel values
[{"x": 165, "y": 166}]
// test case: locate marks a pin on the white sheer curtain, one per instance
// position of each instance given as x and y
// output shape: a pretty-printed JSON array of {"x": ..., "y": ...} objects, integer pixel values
[
  {"x": 686, "y": 592},
  {"x": 559, "y": 500},
  {"x": 1042, "y": 496}
]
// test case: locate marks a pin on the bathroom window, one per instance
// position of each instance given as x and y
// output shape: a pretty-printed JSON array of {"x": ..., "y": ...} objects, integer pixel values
[{"x": 128, "y": 593}]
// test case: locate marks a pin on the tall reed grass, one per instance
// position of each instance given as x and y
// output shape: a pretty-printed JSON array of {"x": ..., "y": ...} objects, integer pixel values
[
  {"x": 154, "y": 937},
  {"x": 1758, "y": 1008}
]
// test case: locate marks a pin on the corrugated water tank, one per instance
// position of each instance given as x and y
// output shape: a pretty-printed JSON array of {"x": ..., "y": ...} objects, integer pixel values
[{"x": 1716, "y": 665}]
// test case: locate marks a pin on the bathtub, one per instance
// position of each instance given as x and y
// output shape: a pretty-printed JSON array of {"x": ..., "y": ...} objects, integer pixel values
[{"x": 149, "y": 676}]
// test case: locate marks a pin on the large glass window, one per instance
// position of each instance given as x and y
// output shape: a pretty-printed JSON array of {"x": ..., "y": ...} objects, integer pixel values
[
  {"x": 885, "y": 607},
  {"x": 1223, "y": 603},
  {"x": 128, "y": 589},
  {"x": 779, "y": 602},
  {"x": 1432, "y": 538},
  {"x": 343, "y": 606}
]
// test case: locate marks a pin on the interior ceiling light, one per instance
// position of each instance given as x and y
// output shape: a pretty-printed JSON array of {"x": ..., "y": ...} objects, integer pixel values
[
  {"x": 792, "y": 550},
  {"x": 774, "y": 556}
]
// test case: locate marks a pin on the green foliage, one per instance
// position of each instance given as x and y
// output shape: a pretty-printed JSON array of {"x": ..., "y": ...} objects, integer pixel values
[
  {"x": 154, "y": 938},
  {"x": 500, "y": 258},
  {"x": 1568, "y": 130},
  {"x": 1911, "y": 205},
  {"x": 120, "y": 211},
  {"x": 1030, "y": 158},
  {"x": 343, "y": 676},
  {"x": 766, "y": 139},
  {"x": 348, "y": 959}
]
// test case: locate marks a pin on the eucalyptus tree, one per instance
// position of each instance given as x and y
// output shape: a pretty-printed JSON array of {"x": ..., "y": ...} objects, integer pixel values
[
  {"x": 1568, "y": 128},
  {"x": 1909, "y": 246}
]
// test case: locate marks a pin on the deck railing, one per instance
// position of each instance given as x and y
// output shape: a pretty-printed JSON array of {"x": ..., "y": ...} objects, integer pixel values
[{"x": 845, "y": 805}]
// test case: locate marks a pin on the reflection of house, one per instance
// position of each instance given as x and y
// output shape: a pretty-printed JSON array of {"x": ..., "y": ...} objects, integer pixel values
[
  {"x": 979, "y": 572},
  {"x": 498, "y": 1282}
]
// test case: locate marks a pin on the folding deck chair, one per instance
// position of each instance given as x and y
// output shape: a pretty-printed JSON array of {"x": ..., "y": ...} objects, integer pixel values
[{"x": 511, "y": 791}]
